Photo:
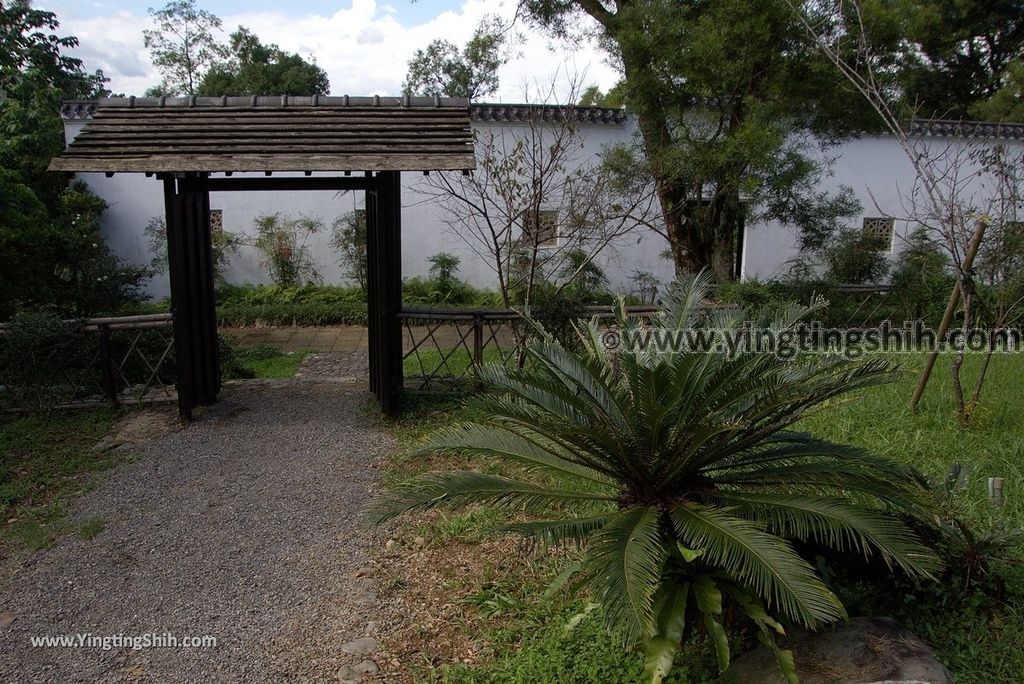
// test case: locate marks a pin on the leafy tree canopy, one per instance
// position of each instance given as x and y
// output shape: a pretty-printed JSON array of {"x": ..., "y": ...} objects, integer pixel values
[
  {"x": 958, "y": 54},
  {"x": 257, "y": 69},
  {"x": 443, "y": 69},
  {"x": 594, "y": 97},
  {"x": 724, "y": 93},
  {"x": 1006, "y": 103},
  {"x": 183, "y": 46},
  {"x": 51, "y": 252}
]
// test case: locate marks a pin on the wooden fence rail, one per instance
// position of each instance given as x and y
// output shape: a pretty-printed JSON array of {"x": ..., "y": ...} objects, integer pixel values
[
  {"x": 109, "y": 361},
  {"x": 443, "y": 348}
]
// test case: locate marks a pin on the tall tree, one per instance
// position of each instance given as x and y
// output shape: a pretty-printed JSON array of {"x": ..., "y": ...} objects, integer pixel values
[
  {"x": 1006, "y": 103},
  {"x": 724, "y": 92},
  {"x": 51, "y": 252},
  {"x": 443, "y": 69},
  {"x": 183, "y": 46},
  {"x": 956, "y": 52},
  {"x": 593, "y": 96},
  {"x": 257, "y": 69}
]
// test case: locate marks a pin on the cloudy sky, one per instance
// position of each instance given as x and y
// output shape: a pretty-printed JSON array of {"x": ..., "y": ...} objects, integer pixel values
[{"x": 364, "y": 45}]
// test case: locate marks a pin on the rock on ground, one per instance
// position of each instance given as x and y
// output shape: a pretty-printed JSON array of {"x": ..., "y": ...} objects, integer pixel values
[
  {"x": 245, "y": 526},
  {"x": 865, "y": 650}
]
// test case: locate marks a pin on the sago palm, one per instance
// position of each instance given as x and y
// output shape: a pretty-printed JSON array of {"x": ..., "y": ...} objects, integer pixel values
[{"x": 677, "y": 477}]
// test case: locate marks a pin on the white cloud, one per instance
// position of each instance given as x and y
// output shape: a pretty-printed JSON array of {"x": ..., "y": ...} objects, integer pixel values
[{"x": 364, "y": 48}]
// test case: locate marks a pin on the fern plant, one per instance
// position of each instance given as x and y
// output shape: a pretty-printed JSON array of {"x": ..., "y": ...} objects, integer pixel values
[{"x": 677, "y": 476}]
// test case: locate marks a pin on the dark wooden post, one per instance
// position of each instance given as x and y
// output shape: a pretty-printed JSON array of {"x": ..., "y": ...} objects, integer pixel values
[
  {"x": 107, "y": 363},
  {"x": 384, "y": 299},
  {"x": 190, "y": 262},
  {"x": 372, "y": 288}
]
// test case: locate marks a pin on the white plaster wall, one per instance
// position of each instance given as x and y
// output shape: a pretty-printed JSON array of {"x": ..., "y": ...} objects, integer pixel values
[
  {"x": 873, "y": 166},
  {"x": 882, "y": 178}
]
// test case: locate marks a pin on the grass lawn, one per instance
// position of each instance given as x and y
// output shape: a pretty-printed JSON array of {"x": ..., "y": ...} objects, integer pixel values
[
  {"x": 977, "y": 630},
  {"x": 265, "y": 361},
  {"x": 457, "y": 362},
  {"x": 47, "y": 461},
  {"x": 283, "y": 366}
]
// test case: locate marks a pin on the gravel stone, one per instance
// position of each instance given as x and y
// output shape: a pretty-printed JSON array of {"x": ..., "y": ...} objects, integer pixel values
[
  {"x": 361, "y": 646},
  {"x": 245, "y": 526},
  {"x": 355, "y": 673}
]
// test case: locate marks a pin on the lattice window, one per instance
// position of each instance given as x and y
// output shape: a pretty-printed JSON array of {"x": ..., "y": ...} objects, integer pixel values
[
  {"x": 540, "y": 228},
  {"x": 881, "y": 229},
  {"x": 216, "y": 220}
]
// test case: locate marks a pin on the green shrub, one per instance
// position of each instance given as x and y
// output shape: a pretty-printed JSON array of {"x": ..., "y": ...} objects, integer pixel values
[
  {"x": 312, "y": 314},
  {"x": 232, "y": 365},
  {"x": 348, "y": 238},
  {"x": 922, "y": 280},
  {"x": 680, "y": 478},
  {"x": 283, "y": 243},
  {"x": 751, "y": 294},
  {"x": 42, "y": 359},
  {"x": 55, "y": 257},
  {"x": 262, "y": 295}
]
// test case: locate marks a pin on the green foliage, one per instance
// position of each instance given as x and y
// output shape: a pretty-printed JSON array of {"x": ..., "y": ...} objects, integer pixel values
[
  {"x": 1006, "y": 103},
  {"x": 348, "y": 238},
  {"x": 419, "y": 291},
  {"x": 645, "y": 286},
  {"x": 679, "y": 473},
  {"x": 558, "y": 643},
  {"x": 955, "y": 55},
  {"x": 315, "y": 313},
  {"x": 248, "y": 295},
  {"x": 53, "y": 255},
  {"x": 277, "y": 305},
  {"x": 850, "y": 257},
  {"x": 593, "y": 97},
  {"x": 34, "y": 349},
  {"x": 582, "y": 273},
  {"x": 443, "y": 267},
  {"x": 442, "y": 69},
  {"x": 283, "y": 243},
  {"x": 252, "y": 68},
  {"x": 51, "y": 252},
  {"x": 983, "y": 643},
  {"x": 922, "y": 279},
  {"x": 231, "y": 366},
  {"x": 224, "y": 245},
  {"x": 182, "y": 46},
  {"x": 559, "y": 310},
  {"x": 255, "y": 361}
]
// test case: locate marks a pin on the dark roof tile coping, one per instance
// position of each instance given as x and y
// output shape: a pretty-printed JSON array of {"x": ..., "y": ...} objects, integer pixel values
[{"x": 494, "y": 113}]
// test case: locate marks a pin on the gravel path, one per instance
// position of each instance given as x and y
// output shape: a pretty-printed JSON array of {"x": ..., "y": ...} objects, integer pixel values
[{"x": 244, "y": 526}]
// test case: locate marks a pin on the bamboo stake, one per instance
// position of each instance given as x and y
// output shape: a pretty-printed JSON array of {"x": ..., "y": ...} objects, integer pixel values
[{"x": 947, "y": 318}]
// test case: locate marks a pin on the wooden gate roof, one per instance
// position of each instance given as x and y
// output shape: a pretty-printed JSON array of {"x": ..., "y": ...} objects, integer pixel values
[{"x": 285, "y": 133}]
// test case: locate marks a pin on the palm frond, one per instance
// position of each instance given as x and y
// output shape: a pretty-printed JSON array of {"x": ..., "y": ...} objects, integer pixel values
[
  {"x": 685, "y": 301},
  {"x": 836, "y": 523},
  {"x": 556, "y": 532},
  {"x": 625, "y": 559},
  {"x": 759, "y": 560},
  {"x": 503, "y": 441}
]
